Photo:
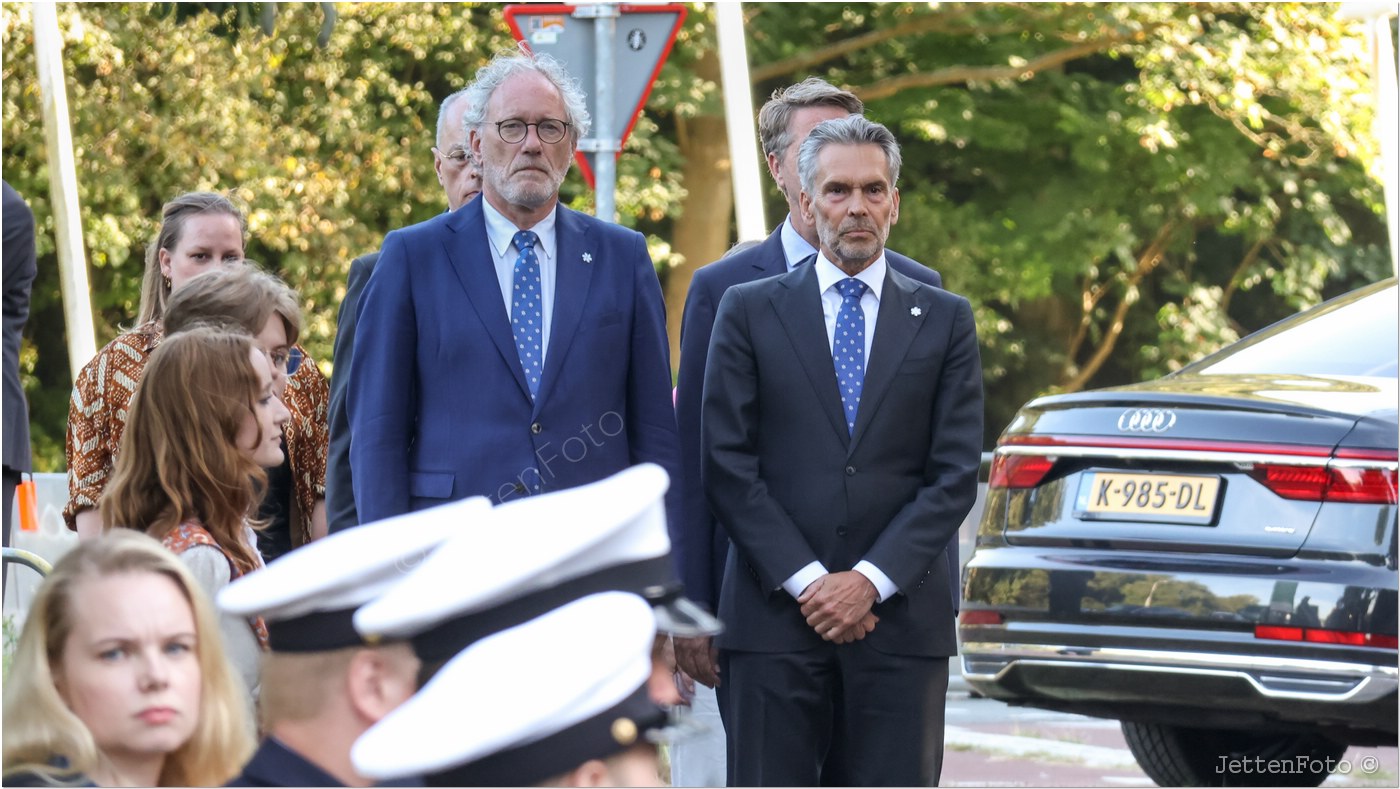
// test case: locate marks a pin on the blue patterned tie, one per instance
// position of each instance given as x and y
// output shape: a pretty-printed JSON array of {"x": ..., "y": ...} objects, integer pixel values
[
  {"x": 848, "y": 351},
  {"x": 527, "y": 310}
]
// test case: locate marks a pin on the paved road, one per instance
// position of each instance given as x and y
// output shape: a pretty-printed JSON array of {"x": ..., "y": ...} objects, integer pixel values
[{"x": 988, "y": 743}]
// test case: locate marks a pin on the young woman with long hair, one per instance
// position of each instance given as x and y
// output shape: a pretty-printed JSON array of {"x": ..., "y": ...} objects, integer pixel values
[
  {"x": 203, "y": 425},
  {"x": 119, "y": 676}
]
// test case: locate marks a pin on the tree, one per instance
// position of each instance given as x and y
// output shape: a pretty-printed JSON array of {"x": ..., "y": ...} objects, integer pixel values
[{"x": 1118, "y": 188}]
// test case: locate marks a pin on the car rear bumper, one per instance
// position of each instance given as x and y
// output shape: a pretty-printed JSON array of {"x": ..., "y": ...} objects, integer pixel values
[{"x": 1191, "y": 687}]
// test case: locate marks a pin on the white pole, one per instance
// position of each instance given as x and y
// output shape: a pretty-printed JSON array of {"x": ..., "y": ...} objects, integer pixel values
[
  {"x": 1376, "y": 16},
  {"x": 63, "y": 188},
  {"x": 744, "y": 156},
  {"x": 1383, "y": 67},
  {"x": 605, "y": 136}
]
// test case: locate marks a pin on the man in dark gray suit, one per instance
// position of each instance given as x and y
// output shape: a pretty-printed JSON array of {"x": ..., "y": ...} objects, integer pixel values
[
  {"x": 20, "y": 268},
  {"x": 461, "y": 181},
  {"x": 840, "y": 484}
]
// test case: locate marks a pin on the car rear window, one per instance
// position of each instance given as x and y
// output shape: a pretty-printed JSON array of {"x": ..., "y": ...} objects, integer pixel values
[{"x": 1343, "y": 338}]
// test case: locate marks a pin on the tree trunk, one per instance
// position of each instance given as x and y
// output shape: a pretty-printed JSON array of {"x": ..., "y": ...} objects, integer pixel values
[{"x": 702, "y": 230}]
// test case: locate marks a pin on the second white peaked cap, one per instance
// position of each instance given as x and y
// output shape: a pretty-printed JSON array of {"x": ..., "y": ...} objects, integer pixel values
[
  {"x": 475, "y": 722},
  {"x": 534, "y": 544},
  {"x": 307, "y": 596}
]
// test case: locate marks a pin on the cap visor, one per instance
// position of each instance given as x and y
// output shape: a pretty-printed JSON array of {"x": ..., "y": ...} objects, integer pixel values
[{"x": 682, "y": 618}]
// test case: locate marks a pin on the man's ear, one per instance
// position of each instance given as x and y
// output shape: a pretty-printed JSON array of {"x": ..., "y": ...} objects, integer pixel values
[
  {"x": 593, "y": 772},
  {"x": 804, "y": 202},
  {"x": 774, "y": 170},
  {"x": 474, "y": 143},
  {"x": 894, "y": 216},
  {"x": 378, "y": 681}
]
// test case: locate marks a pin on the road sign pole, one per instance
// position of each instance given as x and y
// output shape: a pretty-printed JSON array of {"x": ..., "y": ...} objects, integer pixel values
[{"x": 605, "y": 137}]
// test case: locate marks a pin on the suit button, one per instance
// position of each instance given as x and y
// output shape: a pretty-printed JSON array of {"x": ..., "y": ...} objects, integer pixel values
[
  {"x": 841, "y": 531},
  {"x": 850, "y": 471},
  {"x": 536, "y": 428}
]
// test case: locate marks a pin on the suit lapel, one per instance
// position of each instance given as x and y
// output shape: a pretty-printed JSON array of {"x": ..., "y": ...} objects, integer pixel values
[
  {"x": 901, "y": 315},
  {"x": 799, "y": 308},
  {"x": 469, "y": 251},
  {"x": 772, "y": 260},
  {"x": 573, "y": 276}
]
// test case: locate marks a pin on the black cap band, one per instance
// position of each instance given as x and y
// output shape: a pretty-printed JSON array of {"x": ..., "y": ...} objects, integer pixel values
[
  {"x": 650, "y": 578},
  {"x": 321, "y": 631},
  {"x": 610, "y": 732}
]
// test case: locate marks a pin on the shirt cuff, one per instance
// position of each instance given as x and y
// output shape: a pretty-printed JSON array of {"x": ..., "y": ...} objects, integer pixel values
[
  {"x": 884, "y": 587},
  {"x": 803, "y": 578}
]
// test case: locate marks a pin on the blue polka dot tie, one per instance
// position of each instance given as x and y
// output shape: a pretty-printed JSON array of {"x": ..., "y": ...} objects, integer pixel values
[
  {"x": 526, "y": 310},
  {"x": 848, "y": 351}
]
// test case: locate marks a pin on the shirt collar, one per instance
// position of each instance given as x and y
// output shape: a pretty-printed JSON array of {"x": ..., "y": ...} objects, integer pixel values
[
  {"x": 501, "y": 232},
  {"x": 873, "y": 276},
  {"x": 795, "y": 247}
]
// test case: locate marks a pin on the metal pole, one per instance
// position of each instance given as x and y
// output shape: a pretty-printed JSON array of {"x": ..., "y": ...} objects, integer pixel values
[
  {"x": 63, "y": 188},
  {"x": 744, "y": 156},
  {"x": 605, "y": 162}
]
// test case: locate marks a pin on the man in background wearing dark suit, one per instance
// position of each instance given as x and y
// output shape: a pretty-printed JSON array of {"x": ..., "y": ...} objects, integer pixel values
[
  {"x": 20, "y": 268},
  {"x": 461, "y": 181},
  {"x": 840, "y": 484}
]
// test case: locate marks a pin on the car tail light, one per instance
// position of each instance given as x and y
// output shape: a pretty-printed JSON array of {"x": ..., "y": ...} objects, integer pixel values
[
  {"x": 1019, "y": 471},
  {"x": 1320, "y": 636},
  {"x": 1320, "y": 483},
  {"x": 968, "y": 617}
]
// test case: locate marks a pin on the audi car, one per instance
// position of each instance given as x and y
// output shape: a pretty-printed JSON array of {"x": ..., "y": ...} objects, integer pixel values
[{"x": 1209, "y": 558}]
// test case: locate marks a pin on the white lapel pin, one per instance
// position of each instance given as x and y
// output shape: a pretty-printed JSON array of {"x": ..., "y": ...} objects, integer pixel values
[
  {"x": 588, "y": 257},
  {"x": 916, "y": 311}
]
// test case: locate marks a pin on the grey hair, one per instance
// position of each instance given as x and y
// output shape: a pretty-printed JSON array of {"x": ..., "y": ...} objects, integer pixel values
[
  {"x": 850, "y": 130},
  {"x": 444, "y": 109},
  {"x": 507, "y": 64},
  {"x": 776, "y": 115}
]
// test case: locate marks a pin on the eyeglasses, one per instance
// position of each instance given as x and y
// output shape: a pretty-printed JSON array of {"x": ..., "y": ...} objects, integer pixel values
[
  {"x": 514, "y": 130},
  {"x": 288, "y": 360},
  {"x": 458, "y": 155}
]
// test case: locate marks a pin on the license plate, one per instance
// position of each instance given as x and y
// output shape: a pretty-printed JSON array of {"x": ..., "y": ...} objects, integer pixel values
[{"x": 1159, "y": 498}]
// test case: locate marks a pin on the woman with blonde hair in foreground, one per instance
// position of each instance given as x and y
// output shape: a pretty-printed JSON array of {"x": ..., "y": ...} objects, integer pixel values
[{"x": 119, "y": 677}]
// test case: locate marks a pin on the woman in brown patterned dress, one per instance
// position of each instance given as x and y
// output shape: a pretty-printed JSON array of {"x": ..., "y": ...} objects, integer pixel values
[{"x": 199, "y": 231}]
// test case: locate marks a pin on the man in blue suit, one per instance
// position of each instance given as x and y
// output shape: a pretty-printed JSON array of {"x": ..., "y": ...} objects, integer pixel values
[
  {"x": 783, "y": 124},
  {"x": 461, "y": 182},
  {"x": 513, "y": 346},
  {"x": 842, "y": 432}
]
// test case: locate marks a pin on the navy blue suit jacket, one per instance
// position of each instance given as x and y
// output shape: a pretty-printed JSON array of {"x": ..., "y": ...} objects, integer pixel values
[
  {"x": 792, "y": 486},
  {"x": 438, "y": 403},
  {"x": 702, "y": 546}
]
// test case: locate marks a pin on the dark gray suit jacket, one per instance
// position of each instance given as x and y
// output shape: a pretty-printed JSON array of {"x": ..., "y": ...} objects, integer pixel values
[
  {"x": 701, "y": 546},
  {"x": 340, "y": 493},
  {"x": 791, "y": 486},
  {"x": 19, "y": 270}
]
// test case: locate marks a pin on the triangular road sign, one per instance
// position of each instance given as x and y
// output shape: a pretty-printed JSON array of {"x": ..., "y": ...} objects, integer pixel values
[{"x": 643, "y": 39}]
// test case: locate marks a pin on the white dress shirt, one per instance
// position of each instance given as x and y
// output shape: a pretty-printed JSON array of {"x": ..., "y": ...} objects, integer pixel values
[
  {"x": 500, "y": 232},
  {"x": 874, "y": 278},
  {"x": 795, "y": 247}
]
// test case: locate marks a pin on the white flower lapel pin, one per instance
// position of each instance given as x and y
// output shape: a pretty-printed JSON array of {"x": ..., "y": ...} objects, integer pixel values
[
  {"x": 916, "y": 311},
  {"x": 588, "y": 257}
]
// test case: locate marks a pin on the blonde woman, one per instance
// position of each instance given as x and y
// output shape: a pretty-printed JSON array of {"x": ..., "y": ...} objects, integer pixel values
[{"x": 119, "y": 677}]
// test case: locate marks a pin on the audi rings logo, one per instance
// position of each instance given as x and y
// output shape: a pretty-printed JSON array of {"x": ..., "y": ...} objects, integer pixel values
[{"x": 1146, "y": 420}]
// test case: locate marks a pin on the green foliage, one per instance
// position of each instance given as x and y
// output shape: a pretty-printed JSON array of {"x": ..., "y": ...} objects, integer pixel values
[{"x": 1118, "y": 188}]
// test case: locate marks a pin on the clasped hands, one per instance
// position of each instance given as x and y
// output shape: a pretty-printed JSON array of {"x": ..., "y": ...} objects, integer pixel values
[{"x": 837, "y": 606}]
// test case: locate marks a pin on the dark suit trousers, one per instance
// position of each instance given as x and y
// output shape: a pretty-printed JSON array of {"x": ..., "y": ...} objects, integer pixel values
[{"x": 784, "y": 712}]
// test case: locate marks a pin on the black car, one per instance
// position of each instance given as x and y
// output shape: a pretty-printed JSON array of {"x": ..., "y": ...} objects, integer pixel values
[{"x": 1209, "y": 558}]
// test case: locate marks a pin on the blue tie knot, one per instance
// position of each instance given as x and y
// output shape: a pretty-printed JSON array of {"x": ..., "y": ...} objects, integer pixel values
[
  {"x": 525, "y": 240},
  {"x": 851, "y": 288}
]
